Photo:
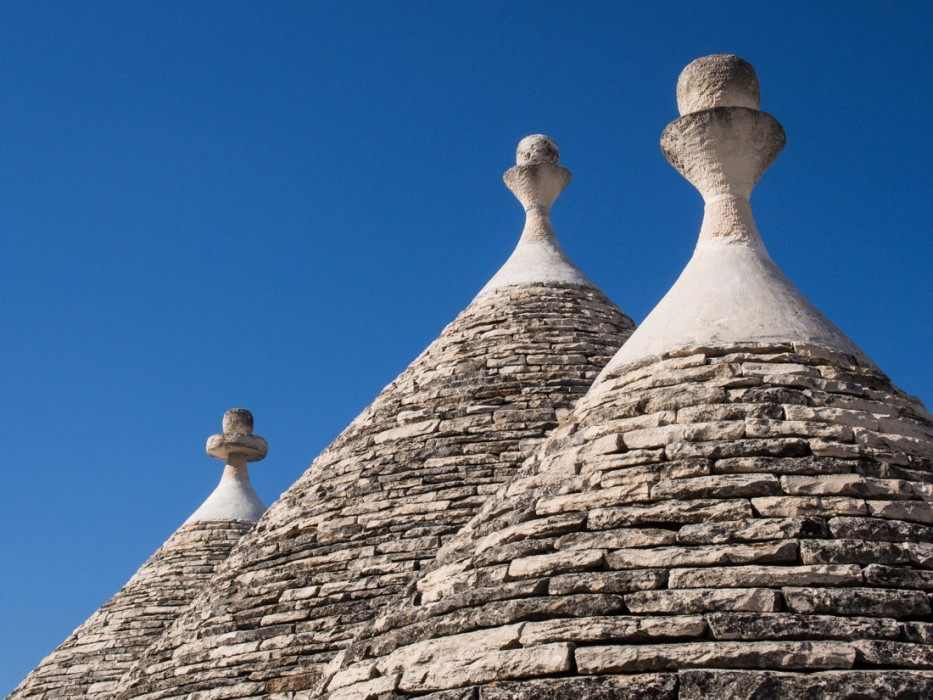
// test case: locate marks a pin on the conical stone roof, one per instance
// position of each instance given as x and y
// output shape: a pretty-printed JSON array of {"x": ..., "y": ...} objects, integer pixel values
[
  {"x": 738, "y": 508},
  {"x": 90, "y": 662},
  {"x": 348, "y": 537}
]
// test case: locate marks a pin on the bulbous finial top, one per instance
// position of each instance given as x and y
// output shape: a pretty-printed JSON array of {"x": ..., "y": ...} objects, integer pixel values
[
  {"x": 537, "y": 148},
  {"x": 720, "y": 80},
  {"x": 237, "y": 439},
  {"x": 238, "y": 421}
]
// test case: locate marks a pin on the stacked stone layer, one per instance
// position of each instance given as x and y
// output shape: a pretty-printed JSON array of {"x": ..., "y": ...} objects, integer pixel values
[
  {"x": 94, "y": 657},
  {"x": 739, "y": 521},
  {"x": 354, "y": 531}
]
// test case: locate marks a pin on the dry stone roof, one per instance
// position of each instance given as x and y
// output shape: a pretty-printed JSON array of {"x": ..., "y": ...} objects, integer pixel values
[
  {"x": 740, "y": 507},
  {"x": 348, "y": 537},
  {"x": 94, "y": 657}
]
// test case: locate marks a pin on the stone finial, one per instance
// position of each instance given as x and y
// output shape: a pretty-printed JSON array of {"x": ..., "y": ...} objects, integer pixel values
[
  {"x": 731, "y": 291},
  {"x": 536, "y": 180},
  {"x": 237, "y": 439},
  {"x": 720, "y": 80},
  {"x": 234, "y": 498},
  {"x": 722, "y": 144}
]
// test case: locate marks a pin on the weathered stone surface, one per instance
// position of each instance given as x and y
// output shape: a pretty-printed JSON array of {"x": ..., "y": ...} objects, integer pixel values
[
  {"x": 680, "y": 512},
  {"x": 605, "y": 629},
  {"x": 710, "y": 555},
  {"x": 898, "y": 577},
  {"x": 653, "y": 686},
  {"x": 751, "y": 530},
  {"x": 557, "y": 563},
  {"x": 608, "y": 581},
  {"x": 873, "y": 602},
  {"x": 846, "y": 485},
  {"x": 915, "y": 511},
  {"x": 794, "y": 506},
  {"x": 851, "y": 552},
  {"x": 887, "y": 653},
  {"x": 508, "y": 664},
  {"x": 540, "y": 527},
  {"x": 772, "y": 685},
  {"x": 720, "y": 486},
  {"x": 617, "y": 539},
  {"x": 765, "y": 576},
  {"x": 663, "y": 657},
  {"x": 876, "y": 529},
  {"x": 703, "y": 600},
  {"x": 755, "y": 626}
]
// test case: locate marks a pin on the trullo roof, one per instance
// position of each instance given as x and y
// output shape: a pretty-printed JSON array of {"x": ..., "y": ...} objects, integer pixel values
[
  {"x": 349, "y": 536},
  {"x": 738, "y": 508},
  {"x": 90, "y": 662}
]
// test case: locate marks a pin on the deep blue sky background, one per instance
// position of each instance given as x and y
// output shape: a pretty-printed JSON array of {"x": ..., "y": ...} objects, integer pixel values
[{"x": 279, "y": 205}]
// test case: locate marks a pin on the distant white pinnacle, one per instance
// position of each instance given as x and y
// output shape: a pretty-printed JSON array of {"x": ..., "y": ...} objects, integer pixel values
[{"x": 234, "y": 498}]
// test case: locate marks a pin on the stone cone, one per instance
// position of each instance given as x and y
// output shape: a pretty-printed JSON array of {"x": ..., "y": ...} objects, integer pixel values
[
  {"x": 90, "y": 662},
  {"x": 735, "y": 509},
  {"x": 351, "y": 534}
]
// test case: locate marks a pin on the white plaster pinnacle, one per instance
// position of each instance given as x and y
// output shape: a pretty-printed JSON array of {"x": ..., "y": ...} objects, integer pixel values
[
  {"x": 730, "y": 291},
  {"x": 536, "y": 180},
  {"x": 234, "y": 498}
]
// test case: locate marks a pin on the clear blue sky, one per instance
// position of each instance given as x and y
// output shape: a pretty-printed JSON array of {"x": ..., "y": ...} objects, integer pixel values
[{"x": 277, "y": 205}]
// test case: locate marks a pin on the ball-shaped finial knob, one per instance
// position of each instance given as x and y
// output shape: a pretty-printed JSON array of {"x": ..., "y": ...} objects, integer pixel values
[
  {"x": 720, "y": 80},
  {"x": 537, "y": 148},
  {"x": 238, "y": 421}
]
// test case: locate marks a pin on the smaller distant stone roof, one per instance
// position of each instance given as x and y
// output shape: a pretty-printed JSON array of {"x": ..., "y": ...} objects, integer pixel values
[
  {"x": 343, "y": 542},
  {"x": 90, "y": 662}
]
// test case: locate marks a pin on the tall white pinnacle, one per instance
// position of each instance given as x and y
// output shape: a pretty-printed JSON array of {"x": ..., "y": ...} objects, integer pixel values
[
  {"x": 730, "y": 291},
  {"x": 537, "y": 179},
  {"x": 234, "y": 497}
]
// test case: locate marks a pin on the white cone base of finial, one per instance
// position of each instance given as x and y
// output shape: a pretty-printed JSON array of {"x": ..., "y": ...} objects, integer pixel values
[
  {"x": 731, "y": 292},
  {"x": 536, "y": 260},
  {"x": 233, "y": 499}
]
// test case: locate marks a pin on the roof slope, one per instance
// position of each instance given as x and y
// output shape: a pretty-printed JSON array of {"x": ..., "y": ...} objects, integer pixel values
[
  {"x": 732, "y": 511},
  {"x": 352, "y": 532},
  {"x": 90, "y": 662}
]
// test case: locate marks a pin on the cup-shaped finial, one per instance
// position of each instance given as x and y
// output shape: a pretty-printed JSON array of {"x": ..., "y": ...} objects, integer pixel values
[
  {"x": 722, "y": 143},
  {"x": 537, "y": 177},
  {"x": 237, "y": 439},
  {"x": 720, "y": 80}
]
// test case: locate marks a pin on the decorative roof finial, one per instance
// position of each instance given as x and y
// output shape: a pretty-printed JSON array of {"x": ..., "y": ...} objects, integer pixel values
[
  {"x": 731, "y": 291},
  {"x": 234, "y": 498},
  {"x": 536, "y": 180}
]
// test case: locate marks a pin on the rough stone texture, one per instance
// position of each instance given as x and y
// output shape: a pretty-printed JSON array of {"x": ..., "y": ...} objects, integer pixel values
[
  {"x": 94, "y": 657},
  {"x": 803, "y": 591},
  {"x": 349, "y": 536}
]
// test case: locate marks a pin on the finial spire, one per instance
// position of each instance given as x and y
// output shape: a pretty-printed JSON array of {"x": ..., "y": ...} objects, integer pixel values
[
  {"x": 731, "y": 291},
  {"x": 536, "y": 180},
  {"x": 234, "y": 498}
]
